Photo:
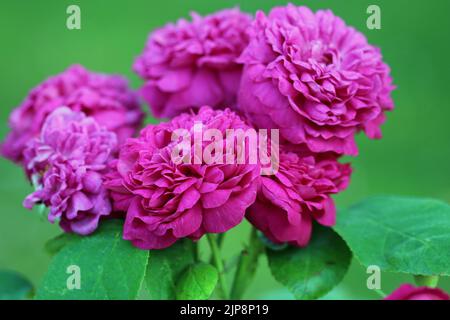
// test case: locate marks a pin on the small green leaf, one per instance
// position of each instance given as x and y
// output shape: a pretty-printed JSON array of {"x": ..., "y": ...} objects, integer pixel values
[
  {"x": 399, "y": 234},
  {"x": 197, "y": 282},
  {"x": 313, "y": 271},
  {"x": 99, "y": 266},
  {"x": 166, "y": 266},
  {"x": 14, "y": 286}
]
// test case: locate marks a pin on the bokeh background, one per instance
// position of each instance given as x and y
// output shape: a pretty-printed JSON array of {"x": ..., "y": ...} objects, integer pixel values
[{"x": 413, "y": 158}]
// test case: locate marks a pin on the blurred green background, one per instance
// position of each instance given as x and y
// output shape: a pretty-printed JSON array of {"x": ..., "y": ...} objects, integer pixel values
[{"x": 413, "y": 158}]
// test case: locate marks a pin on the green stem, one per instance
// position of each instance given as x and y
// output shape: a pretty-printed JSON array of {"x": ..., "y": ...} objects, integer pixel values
[
  {"x": 218, "y": 263},
  {"x": 220, "y": 237},
  {"x": 219, "y": 242},
  {"x": 427, "y": 281},
  {"x": 247, "y": 264}
]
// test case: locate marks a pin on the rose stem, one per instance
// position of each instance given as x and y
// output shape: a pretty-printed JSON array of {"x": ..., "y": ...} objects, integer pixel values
[
  {"x": 247, "y": 264},
  {"x": 218, "y": 263}
]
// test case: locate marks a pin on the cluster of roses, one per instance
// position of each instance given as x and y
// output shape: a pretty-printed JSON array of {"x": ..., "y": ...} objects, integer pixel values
[{"x": 307, "y": 74}]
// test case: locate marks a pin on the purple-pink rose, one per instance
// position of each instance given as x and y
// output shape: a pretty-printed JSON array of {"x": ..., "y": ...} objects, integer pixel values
[
  {"x": 300, "y": 192},
  {"x": 409, "y": 292},
  {"x": 106, "y": 98},
  {"x": 67, "y": 164},
  {"x": 314, "y": 78},
  {"x": 166, "y": 200},
  {"x": 194, "y": 63}
]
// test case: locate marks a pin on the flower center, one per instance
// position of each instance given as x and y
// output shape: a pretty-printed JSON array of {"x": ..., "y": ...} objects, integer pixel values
[{"x": 318, "y": 51}]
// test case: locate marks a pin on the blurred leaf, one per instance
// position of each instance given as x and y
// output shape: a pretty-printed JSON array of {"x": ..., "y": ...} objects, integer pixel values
[
  {"x": 399, "y": 234},
  {"x": 271, "y": 245},
  {"x": 53, "y": 246},
  {"x": 313, "y": 271},
  {"x": 197, "y": 282},
  {"x": 108, "y": 267},
  {"x": 14, "y": 286},
  {"x": 166, "y": 266}
]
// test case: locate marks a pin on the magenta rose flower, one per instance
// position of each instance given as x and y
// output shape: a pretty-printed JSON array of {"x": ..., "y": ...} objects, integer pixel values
[
  {"x": 300, "y": 192},
  {"x": 166, "y": 200},
  {"x": 409, "y": 292},
  {"x": 67, "y": 164},
  {"x": 314, "y": 78},
  {"x": 191, "y": 64},
  {"x": 106, "y": 98}
]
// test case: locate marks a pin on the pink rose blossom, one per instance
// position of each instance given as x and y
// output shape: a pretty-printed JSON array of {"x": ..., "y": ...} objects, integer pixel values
[
  {"x": 289, "y": 201},
  {"x": 106, "y": 98},
  {"x": 67, "y": 163},
  {"x": 190, "y": 64},
  {"x": 314, "y": 78},
  {"x": 409, "y": 292},
  {"x": 166, "y": 201}
]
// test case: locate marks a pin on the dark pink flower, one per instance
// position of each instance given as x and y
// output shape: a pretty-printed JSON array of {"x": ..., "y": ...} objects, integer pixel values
[
  {"x": 190, "y": 64},
  {"x": 409, "y": 292},
  {"x": 300, "y": 192},
  {"x": 314, "y": 78},
  {"x": 67, "y": 164},
  {"x": 106, "y": 98},
  {"x": 166, "y": 200}
]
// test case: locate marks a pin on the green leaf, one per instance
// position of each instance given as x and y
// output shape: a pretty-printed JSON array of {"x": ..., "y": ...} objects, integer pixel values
[
  {"x": 197, "y": 282},
  {"x": 14, "y": 286},
  {"x": 313, "y": 271},
  {"x": 106, "y": 266},
  {"x": 399, "y": 234},
  {"x": 166, "y": 266},
  {"x": 53, "y": 246},
  {"x": 426, "y": 281},
  {"x": 270, "y": 244}
]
